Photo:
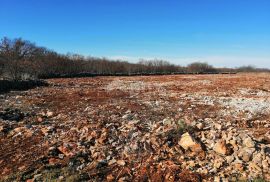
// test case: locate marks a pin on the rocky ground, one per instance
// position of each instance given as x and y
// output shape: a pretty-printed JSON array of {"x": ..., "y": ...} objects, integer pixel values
[{"x": 151, "y": 128}]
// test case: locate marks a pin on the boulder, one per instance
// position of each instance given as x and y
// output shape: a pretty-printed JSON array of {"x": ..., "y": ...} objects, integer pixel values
[
  {"x": 188, "y": 142},
  {"x": 246, "y": 153},
  {"x": 248, "y": 142},
  {"x": 221, "y": 147}
]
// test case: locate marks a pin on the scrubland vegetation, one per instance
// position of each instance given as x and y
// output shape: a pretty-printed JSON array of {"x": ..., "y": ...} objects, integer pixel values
[{"x": 22, "y": 59}]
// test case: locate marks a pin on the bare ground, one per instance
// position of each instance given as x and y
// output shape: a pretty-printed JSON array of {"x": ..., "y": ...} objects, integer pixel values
[{"x": 129, "y": 128}]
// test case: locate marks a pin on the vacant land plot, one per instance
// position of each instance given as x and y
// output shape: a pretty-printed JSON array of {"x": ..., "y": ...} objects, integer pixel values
[{"x": 151, "y": 128}]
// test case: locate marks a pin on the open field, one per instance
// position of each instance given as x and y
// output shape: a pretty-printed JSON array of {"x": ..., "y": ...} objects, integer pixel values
[{"x": 151, "y": 128}]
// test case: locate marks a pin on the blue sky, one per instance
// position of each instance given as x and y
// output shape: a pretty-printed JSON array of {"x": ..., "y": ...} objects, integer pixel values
[{"x": 221, "y": 32}]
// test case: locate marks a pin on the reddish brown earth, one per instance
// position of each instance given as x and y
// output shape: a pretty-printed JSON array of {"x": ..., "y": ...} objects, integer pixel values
[{"x": 129, "y": 128}]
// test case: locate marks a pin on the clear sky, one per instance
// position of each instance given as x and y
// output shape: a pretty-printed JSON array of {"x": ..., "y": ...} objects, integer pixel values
[{"x": 221, "y": 32}]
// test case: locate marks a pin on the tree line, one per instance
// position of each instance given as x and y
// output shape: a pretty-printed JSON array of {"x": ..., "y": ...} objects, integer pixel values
[{"x": 21, "y": 59}]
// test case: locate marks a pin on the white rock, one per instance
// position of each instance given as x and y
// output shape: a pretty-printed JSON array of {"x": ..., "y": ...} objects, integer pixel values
[
  {"x": 200, "y": 126},
  {"x": 167, "y": 121},
  {"x": 248, "y": 142},
  {"x": 218, "y": 126},
  {"x": 49, "y": 114},
  {"x": 229, "y": 159},
  {"x": 257, "y": 158}
]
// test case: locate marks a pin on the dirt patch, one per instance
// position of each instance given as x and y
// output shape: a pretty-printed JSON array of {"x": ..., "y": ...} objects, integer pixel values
[{"x": 129, "y": 128}]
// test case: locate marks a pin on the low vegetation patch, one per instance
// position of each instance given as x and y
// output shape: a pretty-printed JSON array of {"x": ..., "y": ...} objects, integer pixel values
[{"x": 10, "y": 85}]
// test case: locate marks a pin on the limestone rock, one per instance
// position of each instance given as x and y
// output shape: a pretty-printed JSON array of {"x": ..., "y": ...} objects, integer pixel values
[
  {"x": 257, "y": 158},
  {"x": 246, "y": 153},
  {"x": 229, "y": 159},
  {"x": 265, "y": 165},
  {"x": 200, "y": 126},
  {"x": 188, "y": 142},
  {"x": 248, "y": 142},
  {"x": 239, "y": 167},
  {"x": 121, "y": 162},
  {"x": 49, "y": 114},
  {"x": 221, "y": 147},
  {"x": 218, "y": 163},
  {"x": 254, "y": 167},
  {"x": 167, "y": 121},
  {"x": 218, "y": 126}
]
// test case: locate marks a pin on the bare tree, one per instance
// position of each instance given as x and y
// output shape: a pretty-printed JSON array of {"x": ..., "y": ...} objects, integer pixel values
[
  {"x": 19, "y": 58},
  {"x": 18, "y": 55},
  {"x": 249, "y": 68},
  {"x": 2, "y": 63},
  {"x": 199, "y": 67}
]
